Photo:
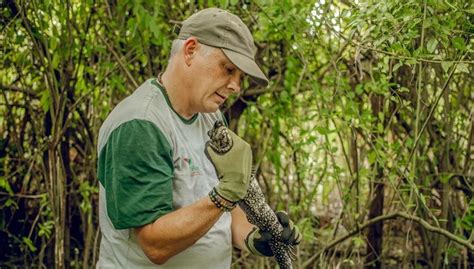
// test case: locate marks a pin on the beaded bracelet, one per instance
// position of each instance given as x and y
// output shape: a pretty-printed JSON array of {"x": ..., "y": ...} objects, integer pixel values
[{"x": 220, "y": 202}]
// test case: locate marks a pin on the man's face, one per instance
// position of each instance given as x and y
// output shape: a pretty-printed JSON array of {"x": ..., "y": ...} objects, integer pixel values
[{"x": 215, "y": 77}]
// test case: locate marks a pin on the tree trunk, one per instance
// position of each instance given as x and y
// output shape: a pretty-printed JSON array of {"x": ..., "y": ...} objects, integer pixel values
[{"x": 375, "y": 233}]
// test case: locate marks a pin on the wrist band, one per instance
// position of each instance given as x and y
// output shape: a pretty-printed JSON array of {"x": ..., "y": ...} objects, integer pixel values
[{"x": 220, "y": 202}]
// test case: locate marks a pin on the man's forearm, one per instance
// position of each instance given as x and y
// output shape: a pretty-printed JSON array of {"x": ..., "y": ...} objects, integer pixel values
[
  {"x": 178, "y": 230},
  {"x": 241, "y": 227}
]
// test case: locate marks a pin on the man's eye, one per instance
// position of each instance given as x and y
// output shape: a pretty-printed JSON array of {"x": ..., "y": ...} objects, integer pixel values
[{"x": 230, "y": 70}]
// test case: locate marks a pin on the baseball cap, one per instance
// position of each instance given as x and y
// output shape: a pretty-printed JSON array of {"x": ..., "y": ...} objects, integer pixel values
[{"x": 221, "y": 29}]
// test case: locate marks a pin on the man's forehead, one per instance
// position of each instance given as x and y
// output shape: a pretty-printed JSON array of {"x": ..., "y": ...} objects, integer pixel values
[
  {"x": 226, "y": 60},
  {"x": 222, "y": 57}
]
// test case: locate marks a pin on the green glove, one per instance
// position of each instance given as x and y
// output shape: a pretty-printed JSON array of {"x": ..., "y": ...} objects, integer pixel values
[
  {"x": 233, "y": 168},
  {"x": 258, "y": 242}
]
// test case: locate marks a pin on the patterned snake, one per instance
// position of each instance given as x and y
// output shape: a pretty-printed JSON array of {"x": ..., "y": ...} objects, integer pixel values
[{"x": 257, "y": 210}]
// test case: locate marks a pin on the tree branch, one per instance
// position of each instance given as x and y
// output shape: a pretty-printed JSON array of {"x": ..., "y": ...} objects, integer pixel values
[
  {"x": 395, "y": 215},
  {"x": 14, "y": 88}
]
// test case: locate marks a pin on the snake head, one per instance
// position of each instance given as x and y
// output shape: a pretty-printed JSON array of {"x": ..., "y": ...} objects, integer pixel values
[{"x": 220, "y": 139}]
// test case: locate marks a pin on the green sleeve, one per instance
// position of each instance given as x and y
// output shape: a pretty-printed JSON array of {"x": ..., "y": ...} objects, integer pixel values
[{"x": 136, "y": 169}]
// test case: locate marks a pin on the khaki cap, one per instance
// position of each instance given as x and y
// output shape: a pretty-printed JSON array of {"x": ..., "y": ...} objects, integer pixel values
[{"x": 218, "y": 28}]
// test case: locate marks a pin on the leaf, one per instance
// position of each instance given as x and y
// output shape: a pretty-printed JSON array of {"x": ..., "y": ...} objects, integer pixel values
[
  {"x": 11, "y": 203},
  {"x": 459, "y": 44},
  {"x": 396, "y": 66},
  {"x": 358, "y": 241},
  {"x": 144, "y": 59},
  {"x": 422, "y": 198},
  {"x": 446, "y": 66},
  {"x": 29, "y": 244},
  {"x": 56, "y": 60},
  {"x": 5, "y": 185},
  {"x": 444, "y": 178},
  {"x": 404, "y": 89},
  {"x": 431, "y": 46},
  {"x": 284, "y": 96},
  {"x": 322, "y": 130},
  {"x": 53, "y": 43},
  {"x": 45, "y": 100},
  {"x": 224, "y": 3},
  {"x": 381, "y": 116},
  {"x": 372, "y": 156},
  {"x": 45, "y": 229},
  {"x": 468, "y": 222},
  {"x": 380, "y": 128},
  {"x": 154, "y": 28},
  {"x": 462, "y": 67}
]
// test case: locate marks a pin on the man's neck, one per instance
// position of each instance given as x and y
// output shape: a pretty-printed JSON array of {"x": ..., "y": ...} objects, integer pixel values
[{"x": 176, "y": 88}]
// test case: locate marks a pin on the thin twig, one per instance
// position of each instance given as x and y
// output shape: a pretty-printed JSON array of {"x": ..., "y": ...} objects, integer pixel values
[
  {"x": 28, "y": 196},
  {"x": 118, "y": 59}
]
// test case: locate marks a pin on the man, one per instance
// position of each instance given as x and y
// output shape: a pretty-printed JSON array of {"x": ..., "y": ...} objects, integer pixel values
[{"x": 161, "y": 202}]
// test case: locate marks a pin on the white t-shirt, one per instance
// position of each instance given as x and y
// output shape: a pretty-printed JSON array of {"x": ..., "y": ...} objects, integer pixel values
[{"x": 151, "y": 162}]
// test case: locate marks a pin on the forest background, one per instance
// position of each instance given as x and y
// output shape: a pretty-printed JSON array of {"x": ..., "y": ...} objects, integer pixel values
[{"x": 364, "y": 134}]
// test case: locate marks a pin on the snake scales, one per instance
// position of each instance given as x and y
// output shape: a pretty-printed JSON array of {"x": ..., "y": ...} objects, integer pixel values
[{"x": 257, "y": 210}]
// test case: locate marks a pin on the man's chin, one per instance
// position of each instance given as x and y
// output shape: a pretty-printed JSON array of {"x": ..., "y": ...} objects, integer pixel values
[{"x": 211, "y": 109}]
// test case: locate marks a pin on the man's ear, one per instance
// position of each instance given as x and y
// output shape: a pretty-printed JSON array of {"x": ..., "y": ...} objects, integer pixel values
[{"x": 190, "y": 50}]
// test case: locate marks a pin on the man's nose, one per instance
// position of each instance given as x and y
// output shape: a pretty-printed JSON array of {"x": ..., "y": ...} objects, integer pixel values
[{"x": 234, "y": 83}]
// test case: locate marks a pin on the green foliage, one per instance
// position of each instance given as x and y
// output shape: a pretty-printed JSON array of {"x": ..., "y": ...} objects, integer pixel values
[
  {"x": 29, "y": 244},
  {"x": 363, "y": 94}
]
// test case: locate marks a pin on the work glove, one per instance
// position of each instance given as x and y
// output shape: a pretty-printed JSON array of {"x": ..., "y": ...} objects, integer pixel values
[
  {"x": 258, "y": 242},
  {"x": 233, "y": 168}
]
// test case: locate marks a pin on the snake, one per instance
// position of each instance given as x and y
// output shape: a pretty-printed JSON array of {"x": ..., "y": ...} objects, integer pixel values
[{"x": 258, "y": 212}]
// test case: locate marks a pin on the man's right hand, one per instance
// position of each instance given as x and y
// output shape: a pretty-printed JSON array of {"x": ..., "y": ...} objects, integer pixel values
[{"x": 233, "y": 168}]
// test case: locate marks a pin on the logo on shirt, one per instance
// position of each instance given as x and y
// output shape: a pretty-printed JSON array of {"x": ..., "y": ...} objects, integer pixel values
[{"x": 194, "y": 169}]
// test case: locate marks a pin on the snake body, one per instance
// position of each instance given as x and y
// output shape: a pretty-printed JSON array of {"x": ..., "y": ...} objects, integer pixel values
[{"x": 254, "y": 205}]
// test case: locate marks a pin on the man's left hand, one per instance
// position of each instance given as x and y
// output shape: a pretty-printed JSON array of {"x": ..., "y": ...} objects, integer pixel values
[{"x": 258, "y": 242}]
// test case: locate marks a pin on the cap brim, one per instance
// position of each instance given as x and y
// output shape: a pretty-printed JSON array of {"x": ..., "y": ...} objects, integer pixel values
[{"x": 247, "y": 65}]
